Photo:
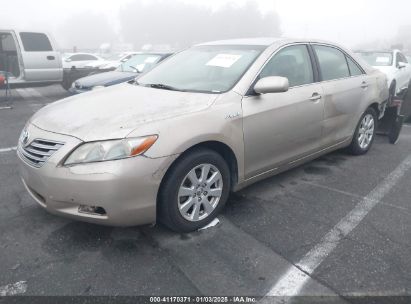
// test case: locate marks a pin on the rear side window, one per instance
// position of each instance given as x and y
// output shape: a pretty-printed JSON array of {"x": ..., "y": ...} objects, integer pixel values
[
  {"x": 354, "y": 69},
  {"x": 333, "y": 64},
  {"x": 35, "y": 42},
  {"x": 292, "y": 62}
]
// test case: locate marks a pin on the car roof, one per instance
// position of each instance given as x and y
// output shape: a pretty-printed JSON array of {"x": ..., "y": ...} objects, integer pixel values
[{"x": 266, "y": 41}]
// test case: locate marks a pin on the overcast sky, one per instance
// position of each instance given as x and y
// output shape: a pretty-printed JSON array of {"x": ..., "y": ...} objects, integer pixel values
[{"x": 349, "y": 22}]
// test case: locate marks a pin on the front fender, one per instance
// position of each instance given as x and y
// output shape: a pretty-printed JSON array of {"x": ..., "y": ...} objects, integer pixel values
[{"x": 221, "y": 123}]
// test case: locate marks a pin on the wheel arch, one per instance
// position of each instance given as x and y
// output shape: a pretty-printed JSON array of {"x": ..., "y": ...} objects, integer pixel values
[
  {"x": 376, "y": 107},
  {"x": 217, "y": 146}
]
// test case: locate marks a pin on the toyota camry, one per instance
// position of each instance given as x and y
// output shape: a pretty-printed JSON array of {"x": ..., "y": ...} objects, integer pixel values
[{"x": 208, "y": 121}]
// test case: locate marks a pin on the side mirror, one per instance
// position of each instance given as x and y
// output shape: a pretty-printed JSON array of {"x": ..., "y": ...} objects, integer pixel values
[
  {"x": 401, "y": 65},
  {"x": 68, "y": 60},
  {"x": 272, "y": 84}
]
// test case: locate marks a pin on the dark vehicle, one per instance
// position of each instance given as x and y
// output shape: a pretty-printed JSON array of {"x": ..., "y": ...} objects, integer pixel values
[{"x": 128, "y": 70}]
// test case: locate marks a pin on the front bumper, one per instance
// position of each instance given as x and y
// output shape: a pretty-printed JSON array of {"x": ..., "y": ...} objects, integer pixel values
[{"x": 126, "y": 189}]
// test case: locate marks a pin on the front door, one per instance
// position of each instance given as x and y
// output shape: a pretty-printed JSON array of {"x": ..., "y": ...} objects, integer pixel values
[{"x": 281, "y": 127}]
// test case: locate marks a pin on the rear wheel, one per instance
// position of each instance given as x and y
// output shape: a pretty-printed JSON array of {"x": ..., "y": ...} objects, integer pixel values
[
  {"x": 364, "y": 133},
  {"x": 194, "y": 191}
]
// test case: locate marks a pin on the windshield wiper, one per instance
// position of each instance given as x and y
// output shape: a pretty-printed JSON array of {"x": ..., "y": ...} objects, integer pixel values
[
  {"x": 162, "y": 86},
  {"x": 135, "y": 69}
]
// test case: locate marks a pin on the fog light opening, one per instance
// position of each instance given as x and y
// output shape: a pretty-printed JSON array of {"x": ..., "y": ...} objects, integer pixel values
[{"x": 96, "y": 210}]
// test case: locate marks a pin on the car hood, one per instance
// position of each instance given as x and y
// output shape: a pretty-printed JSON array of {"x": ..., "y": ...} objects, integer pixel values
[
  {"x": 116, "y": 111},
  {"x": 103, "y": 79}
]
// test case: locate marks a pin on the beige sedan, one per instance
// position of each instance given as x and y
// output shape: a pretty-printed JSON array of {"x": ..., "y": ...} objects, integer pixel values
[{"x": 207, "y": 121}]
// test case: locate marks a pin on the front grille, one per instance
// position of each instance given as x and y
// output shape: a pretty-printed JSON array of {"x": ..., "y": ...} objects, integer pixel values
[{"x": 38, "y": 151}]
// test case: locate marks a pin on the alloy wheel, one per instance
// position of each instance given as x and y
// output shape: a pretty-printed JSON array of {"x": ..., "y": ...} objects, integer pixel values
[
  {"x": 200, "y": 192},
  {"x": 366, "y": 131}
]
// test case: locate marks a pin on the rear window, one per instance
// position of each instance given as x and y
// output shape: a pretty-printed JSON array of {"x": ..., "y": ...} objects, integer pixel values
[{"x": 35, "y": 42}]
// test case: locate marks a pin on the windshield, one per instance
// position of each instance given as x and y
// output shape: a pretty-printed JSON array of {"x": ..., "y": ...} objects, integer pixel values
[
  {"x": 139, "y": 63},
  {"x": 212, "y": 69},
  {"x": 377, "y": 58}
]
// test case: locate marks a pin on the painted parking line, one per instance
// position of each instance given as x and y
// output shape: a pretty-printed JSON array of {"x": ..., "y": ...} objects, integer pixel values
[
  {"x": 291, "y": 283},
  {"x": 227, "y": 251},
  {"x": 8, "y": 149},
  {"x": 30, "y": 93},
  {"x": 37, "y": 94},
  {"x": 23, "y": 93},
  {"x": 17, "y": 288},
  {"x": 356, "y": 196}
]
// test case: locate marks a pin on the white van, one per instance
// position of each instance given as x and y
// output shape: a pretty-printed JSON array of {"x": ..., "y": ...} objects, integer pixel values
[{"x": 29, "y": 58}]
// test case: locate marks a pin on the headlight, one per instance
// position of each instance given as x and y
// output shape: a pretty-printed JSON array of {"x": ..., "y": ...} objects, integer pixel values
[
  {"x": 110, "y": 150},
  {"x": 98, "y": 87}
]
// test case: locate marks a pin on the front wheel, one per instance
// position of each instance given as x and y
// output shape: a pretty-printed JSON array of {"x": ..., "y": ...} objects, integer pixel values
[
  {"x": 194, "y": 191},
  {"x": 364, "y": 133}
]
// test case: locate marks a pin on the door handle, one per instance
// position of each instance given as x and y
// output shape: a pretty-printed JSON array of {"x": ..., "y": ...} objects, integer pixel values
[
  {"x": 51, "y": 57},
  {"x": 315, "y": 97},
  {"x": 364, "y": 85}
]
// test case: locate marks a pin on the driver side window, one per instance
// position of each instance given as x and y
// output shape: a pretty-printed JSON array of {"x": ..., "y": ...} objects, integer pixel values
[{"x": 292, "y": 62}]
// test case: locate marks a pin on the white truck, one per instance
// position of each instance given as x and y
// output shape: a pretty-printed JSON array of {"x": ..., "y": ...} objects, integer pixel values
[{"x": 29, "y": 58}]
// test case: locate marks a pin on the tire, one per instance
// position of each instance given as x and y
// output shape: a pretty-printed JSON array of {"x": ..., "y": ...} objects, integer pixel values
[
  {"x": 358, "y": 146},
  {"x": 186, "y": 213},
  {"x": 66, "y": 85}
]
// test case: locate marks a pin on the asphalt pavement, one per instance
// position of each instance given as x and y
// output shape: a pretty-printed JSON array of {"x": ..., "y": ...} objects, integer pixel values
[{"x": 338, "y": 226}]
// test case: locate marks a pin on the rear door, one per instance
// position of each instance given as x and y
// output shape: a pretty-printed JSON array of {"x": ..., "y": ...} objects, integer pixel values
[
  {"x": 346, "y": 92},
  {"x": 40, "y": 59}
]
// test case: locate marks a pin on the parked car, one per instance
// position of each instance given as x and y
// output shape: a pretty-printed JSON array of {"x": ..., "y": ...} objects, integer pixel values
[
  {"x": 394, "y": 64},
  {"x": 127, "y": 71},
  {"x": 80, "y": 60},
  {"x": 209, "y": 120},
  {"x": 29, "y": 58},
  {"x": 112, "y": 62}
]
